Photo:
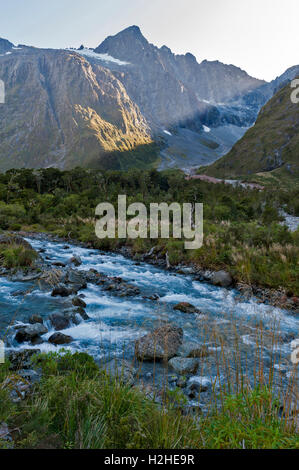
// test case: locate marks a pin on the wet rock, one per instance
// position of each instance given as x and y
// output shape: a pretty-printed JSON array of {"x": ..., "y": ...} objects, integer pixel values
[
  {"x": 80, "y": 311},
  {"x": 77, "y": 279},
  {"x": 30, "y": 332},
  {"x": 22, "y": 359},
  {"x": 111, "y": 287},
  {"x": 35, "y": 319},
  {"x": 60, "y": 338},
  {"x": 76, "y": 261},
  {"x": 287, "y": 337},
  {"x": 162, "y": 344},
  {"x": 58, "y": 264},
  {"x": 199, "y": 384},
  {"x": 37, "y": 341},
  {"x": 193, "y": 350},
  {"x": 196, "y": 388},
  {"x": 61, "y": 321},
  {"x": 153, "y": 297},
  {"x": 19, "y": 293},
  {"x": 121, "y": 370},
  {"x": 185, "y": 307},
  {"x": 77, "y": 302},
  {"x": 61, "y": 291},
  {"x": 184, "y": 365},
  {"x": 92, "y": 276},
  {"x": 28, "y": 277},
  {"x": 186, "y": 270},
  {"x": 222, "y": 279}
]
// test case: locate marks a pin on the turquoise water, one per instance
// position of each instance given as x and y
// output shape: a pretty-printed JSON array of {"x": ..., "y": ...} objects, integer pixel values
[{"x": 115, "y": 323}]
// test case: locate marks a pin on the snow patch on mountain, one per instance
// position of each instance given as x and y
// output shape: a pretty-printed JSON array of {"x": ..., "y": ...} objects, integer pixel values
[{"x": 102, "y": 57}]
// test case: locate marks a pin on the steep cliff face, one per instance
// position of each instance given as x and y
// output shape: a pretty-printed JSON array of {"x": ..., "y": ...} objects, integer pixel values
[
  {"x": 271, "y": 147},
  {"x": 62, "y": 111}
]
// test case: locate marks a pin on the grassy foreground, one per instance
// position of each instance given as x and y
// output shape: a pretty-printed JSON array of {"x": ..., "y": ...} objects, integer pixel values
[{"x": 77, "y": 406}]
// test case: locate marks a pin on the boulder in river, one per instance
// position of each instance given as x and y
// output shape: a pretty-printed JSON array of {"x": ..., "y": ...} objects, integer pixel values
[
  {"x": 61, "y": 321},
  {"x": 185, "y": 307},
  {"x": 60, "y": 338},
  {"x": 59, "y": 264},
  {"x": 30, "y": 332},
  {"x": 162, "y": 344},
  {"x": 222, "y": 279},
  {"x": 80, "y": 311},
  {"x": 61, "y": 291},
  {"x": 35, "y": 319},
  {"x": 77, "y": 302},
  {"x": 76, "y": 261},
  {"x": 19, "y": 293},
  {"x": 184, "y": 365},
  {"x": 36, "y": 341},
  {"x": 77, "y": 279}
]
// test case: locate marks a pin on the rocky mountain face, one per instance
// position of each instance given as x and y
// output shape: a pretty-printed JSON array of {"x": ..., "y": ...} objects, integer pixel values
[
  {"x": 283, "y": 79},
  {"x": 120, "y": 104},
  {"x": 5, "y": 46},
  {"x": 63, "y": 111},
  {"x": 174, "y": 90},
  {"x": 270, "y": 148}
]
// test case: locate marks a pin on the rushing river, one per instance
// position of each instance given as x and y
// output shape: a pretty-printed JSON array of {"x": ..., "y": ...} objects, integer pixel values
[{"x": 230, "y": 326}]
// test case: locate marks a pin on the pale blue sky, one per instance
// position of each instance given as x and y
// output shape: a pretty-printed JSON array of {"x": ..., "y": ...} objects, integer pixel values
[{"x": 261, "y": 36}]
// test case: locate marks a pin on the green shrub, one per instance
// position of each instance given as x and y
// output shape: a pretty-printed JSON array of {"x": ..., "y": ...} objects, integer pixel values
[{"x": 15, "y": 256}]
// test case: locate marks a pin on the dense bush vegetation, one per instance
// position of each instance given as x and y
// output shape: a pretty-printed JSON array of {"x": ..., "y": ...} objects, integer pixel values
[
  {"x": 242, "y": 230},
  {"x": 78, "y": 406}
]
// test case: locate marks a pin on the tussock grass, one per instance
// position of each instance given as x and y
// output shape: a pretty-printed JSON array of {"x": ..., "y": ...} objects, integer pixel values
[{"x": 16, "y": 256}]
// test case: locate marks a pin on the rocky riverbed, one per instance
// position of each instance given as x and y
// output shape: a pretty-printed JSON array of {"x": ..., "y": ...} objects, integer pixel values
[{"x": 152, "y": 327}]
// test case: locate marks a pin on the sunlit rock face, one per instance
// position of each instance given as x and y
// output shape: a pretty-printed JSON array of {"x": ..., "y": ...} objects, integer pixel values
[{"x": 63, "y": 111}]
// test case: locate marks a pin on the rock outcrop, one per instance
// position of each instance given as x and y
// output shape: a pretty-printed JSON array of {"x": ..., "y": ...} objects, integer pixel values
[
  {"x": 60, "y": 339},
  {"x": 162, "y": 344}
]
